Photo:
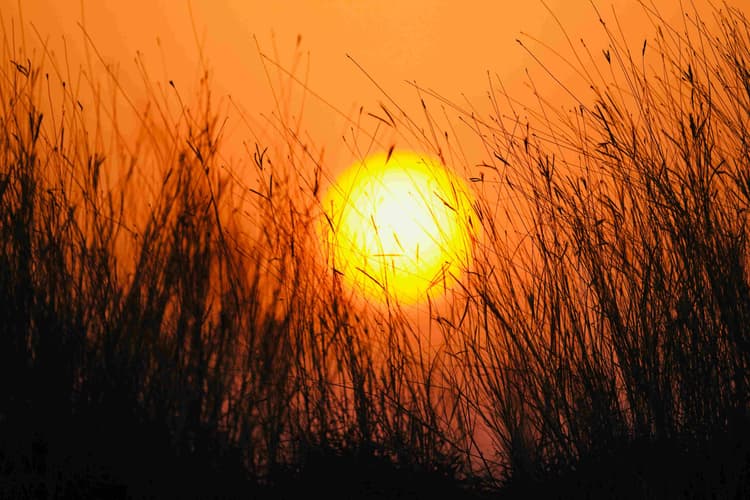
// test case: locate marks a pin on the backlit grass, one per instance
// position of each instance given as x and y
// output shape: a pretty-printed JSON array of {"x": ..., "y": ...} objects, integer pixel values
[{"x": 157, "y": 301}]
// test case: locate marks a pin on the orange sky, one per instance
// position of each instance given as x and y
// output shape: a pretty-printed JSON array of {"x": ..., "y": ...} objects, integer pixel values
[{"x": 445, "y": 45}]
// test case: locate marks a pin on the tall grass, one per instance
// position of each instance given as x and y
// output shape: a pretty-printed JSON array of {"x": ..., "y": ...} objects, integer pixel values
[
  {"x": 617, "y": 314},
  {"x": 160, "y": 302}
]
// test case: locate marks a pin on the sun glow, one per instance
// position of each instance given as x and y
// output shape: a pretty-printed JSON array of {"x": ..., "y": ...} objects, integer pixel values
[{"x": 398, "y": 226}]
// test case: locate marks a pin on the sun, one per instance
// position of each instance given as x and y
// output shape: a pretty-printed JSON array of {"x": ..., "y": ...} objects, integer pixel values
[{"x": 398, "y": 226}]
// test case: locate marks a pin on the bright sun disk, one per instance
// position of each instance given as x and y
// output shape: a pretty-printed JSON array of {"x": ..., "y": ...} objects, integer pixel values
[{"x": 398, "y": 225}]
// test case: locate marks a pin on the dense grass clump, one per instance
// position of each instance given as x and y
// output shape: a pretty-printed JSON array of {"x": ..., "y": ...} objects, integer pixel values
[
  {"x": 169, "y": 325},
  {"x": 619, "y": 311}
]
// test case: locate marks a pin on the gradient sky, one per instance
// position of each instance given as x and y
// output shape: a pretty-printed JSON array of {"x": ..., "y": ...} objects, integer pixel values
[{"x": 445, "y": 45}]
